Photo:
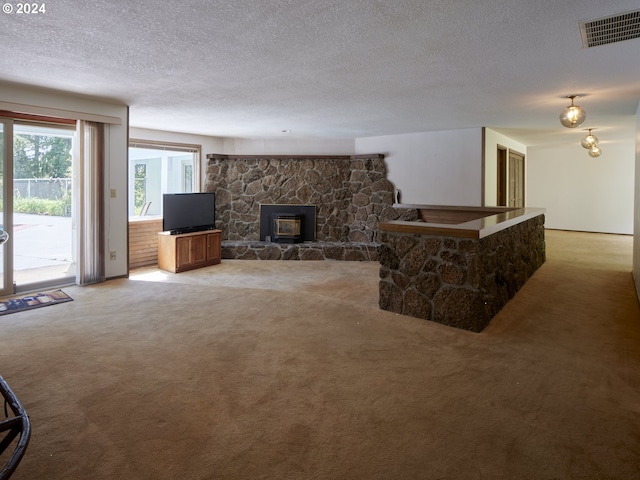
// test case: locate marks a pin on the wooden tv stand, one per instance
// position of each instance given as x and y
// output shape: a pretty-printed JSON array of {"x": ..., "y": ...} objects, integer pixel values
[{"x": 186, "y": 251}]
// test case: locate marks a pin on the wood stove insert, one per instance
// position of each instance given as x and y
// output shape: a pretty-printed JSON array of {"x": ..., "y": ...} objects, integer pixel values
[
  {"x": 287, "y": 223},
  {"x": 286, "y": 227}
]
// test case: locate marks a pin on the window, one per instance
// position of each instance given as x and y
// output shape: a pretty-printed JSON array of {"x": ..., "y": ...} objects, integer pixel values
[
  {"x": 139, "y": 187},
  {"x": 156, "y": 168}
]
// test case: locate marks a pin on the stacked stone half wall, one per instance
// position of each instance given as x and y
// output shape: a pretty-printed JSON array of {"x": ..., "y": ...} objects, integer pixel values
[{"x": 456, "y": 281}]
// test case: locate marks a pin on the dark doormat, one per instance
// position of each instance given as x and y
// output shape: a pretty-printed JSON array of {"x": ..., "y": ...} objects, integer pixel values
[{"x": 33, "y": 300}]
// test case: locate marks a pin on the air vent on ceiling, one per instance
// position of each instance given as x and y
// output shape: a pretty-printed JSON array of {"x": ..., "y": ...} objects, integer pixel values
[{"x": 616, "y": 28}]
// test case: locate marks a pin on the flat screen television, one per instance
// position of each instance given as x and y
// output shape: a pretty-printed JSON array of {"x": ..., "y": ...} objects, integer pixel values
[{"x": 188, "y": 212}]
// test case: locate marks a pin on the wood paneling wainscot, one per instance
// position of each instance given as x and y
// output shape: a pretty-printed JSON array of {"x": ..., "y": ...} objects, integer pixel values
[{"x": 143, "y": 241}]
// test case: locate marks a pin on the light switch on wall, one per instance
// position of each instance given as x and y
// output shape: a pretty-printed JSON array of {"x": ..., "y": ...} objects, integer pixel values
[{"x": 113, "y": 193}]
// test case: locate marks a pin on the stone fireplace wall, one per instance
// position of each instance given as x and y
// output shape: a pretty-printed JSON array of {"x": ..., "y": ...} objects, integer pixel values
[{"x": 351, "y": 193}]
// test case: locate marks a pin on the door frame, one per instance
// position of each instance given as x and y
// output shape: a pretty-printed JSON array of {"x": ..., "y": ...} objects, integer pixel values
[
  {"x": 501, "y": 181},
  {"x": 510, "y": 179},
  {"x": 7, "y": 286},
  {"x": 516, "y": 178}
]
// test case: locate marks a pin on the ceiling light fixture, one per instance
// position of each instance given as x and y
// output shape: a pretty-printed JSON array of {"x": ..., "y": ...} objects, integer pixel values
[
  {"x": 589, "y": 140},
  {"x": 573, "y": 116},
  {"x": 595, "y": 151}
]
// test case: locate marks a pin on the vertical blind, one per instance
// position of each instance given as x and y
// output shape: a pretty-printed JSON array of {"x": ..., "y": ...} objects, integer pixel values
[{"x": 88, "y": 202}]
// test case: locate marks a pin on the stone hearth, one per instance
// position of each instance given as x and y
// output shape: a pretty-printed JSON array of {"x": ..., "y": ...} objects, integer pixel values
[{"x": 349, "y": 251}]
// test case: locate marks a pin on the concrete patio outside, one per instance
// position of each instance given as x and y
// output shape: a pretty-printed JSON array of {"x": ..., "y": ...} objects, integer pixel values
[{"x": 42, "y": 248}]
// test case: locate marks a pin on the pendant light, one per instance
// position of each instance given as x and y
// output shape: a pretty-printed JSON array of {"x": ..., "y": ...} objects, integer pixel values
[
  {"x": 595, "y": 151},
  {"x": 573, "y": 116},
  {"x": 589, "y": 140}
]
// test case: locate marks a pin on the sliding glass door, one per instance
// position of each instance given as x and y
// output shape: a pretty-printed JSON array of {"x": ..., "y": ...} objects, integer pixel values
[
  {"x": 42, "y": 193},
  {"x": 36, "y": 192}
]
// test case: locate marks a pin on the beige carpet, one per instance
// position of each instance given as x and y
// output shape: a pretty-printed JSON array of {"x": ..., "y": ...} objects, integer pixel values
[{"x": 288, "y": 370}]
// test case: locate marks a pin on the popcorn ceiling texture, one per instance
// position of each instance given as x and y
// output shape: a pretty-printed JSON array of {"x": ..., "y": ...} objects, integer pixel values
[{"x": 330, "y": 69}]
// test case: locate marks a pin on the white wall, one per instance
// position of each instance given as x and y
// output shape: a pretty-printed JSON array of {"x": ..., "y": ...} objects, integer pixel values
[
  {"x": 65, "y": 105},
  {"x": 491, "y": 141},
  {"x": 288, "y": 146},
  {"x": 432, "y": 168},
  {"x": 636, "y": 222},
  {"x": 117, "y": 234},
  {"x": 580, "y": 192}
]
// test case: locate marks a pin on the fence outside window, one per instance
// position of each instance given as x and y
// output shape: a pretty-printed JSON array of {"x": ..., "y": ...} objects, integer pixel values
[{"x": 42, "y": 196}]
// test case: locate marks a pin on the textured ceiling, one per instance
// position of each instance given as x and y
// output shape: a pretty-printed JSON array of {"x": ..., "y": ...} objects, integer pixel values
[{"x": 344, "y": 68}]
